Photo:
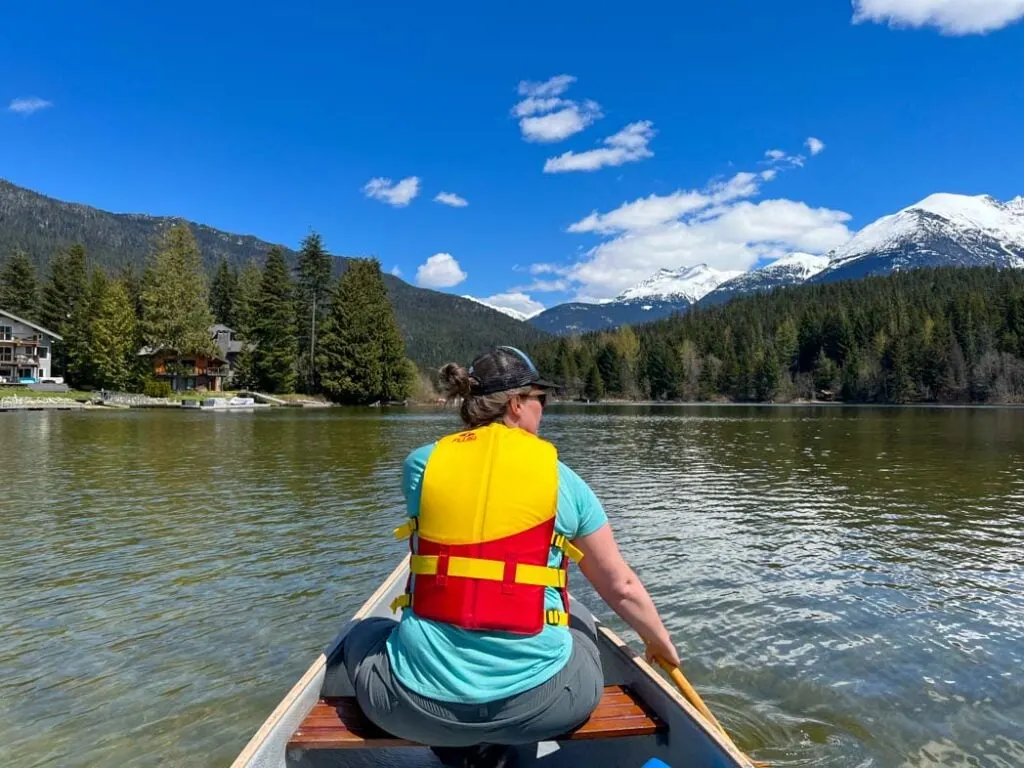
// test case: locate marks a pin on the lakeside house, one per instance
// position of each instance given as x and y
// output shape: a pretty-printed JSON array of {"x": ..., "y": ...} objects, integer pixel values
[
  {"x": 26, "y": 350},
  {"x": 198, "y": 372}
]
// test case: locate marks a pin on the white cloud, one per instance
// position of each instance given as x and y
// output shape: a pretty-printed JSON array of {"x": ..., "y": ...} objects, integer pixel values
[
  {"x": 26, "y": 106},
  {"x": 450, "y": 198},
  {"x": 951, "y": 17},
  {"x": 559, "y": 125},
  {"x": 396, "y": 271},
  {"x": 556, "y": 86},
  {"x": 653, "y": 210},
  {"x": 399, "y": 194},
  {"x": 513, "y": 303},
  {"x": 814, "y": 146},
  {"x": 532, "y": 105},
  {"x": 718, "y": 225},
  {"x": 440, "y": 271},
  {"x": 627, "y": 146},
  {"x": 545, "y": 286},
  {"x": 775, "y": 154},
  {"x": 545, "y": 117}
]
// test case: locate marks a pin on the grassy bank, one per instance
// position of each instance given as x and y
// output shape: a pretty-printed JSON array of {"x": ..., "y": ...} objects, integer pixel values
[{"x": 25, "y": 392}]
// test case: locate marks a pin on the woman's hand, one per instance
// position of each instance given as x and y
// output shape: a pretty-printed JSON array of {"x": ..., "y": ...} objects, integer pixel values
[{"x": 663, "y": 649}]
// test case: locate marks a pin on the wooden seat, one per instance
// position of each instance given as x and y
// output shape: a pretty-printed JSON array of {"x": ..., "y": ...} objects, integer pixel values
[{"x": 339, "y": 723}]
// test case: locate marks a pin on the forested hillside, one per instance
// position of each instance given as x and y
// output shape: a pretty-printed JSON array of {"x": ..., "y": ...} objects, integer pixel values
[
  {"x": 949, "y": 335},
  {"x": 437, "y": 327}
]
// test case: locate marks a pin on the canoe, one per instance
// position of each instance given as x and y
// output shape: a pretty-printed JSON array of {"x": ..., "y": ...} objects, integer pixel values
[{"x": 641, "y": 718}]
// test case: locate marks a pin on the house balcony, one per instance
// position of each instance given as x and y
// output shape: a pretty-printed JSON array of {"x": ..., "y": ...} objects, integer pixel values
[
  {"x": 26, "y": 360},
  {"x": 188, "y": 372},
  {"x": 22, "y": 341}
]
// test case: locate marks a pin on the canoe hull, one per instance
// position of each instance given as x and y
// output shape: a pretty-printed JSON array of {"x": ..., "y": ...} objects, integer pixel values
[{"x": 690, "y": 741}]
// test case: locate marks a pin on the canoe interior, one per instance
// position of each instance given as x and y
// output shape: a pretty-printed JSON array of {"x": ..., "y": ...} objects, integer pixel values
[{"x": 690, "y": 741}]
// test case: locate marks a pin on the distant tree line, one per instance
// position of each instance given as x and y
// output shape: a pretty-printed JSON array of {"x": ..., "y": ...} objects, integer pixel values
[
  {"x": 932, "y": 335},
  {"x": 303, "y": 332}
]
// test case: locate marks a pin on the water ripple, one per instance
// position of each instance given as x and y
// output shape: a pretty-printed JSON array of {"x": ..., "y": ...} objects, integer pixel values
[{"x": 845, "y": 585}]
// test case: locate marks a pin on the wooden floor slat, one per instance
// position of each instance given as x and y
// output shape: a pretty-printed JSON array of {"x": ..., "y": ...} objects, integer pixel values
[{"x": 339, "y": 723}]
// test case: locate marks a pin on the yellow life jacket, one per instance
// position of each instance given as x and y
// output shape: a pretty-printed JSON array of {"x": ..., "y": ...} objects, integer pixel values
[{"x": 482, "y": 541}]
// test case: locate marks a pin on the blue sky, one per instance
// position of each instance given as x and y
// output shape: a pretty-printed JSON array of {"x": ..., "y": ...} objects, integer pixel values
[{"x": 271, "y": 119}]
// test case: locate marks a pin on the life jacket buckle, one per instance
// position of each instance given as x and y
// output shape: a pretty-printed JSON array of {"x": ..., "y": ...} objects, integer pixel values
[
  {"x": 508, "y": 580},
  {"x": 441, "y": 577}
]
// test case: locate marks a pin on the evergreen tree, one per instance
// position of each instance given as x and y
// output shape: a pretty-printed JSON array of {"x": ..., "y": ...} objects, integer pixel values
[
  {"x": 313, "y": 292},
  {"x": 609, "y": 365},
  {"x": 249, "y": 283},
  {"x": 594, "y": 387},
  {"x": 19, "y": 289},
  {"x": 361, "y": 357},
  {"x": 175, "y": 302},
  {"x": 68, "y": 278},
  {"x": 273, "y": 330},
  {"x": 61, "y": 294},
  {"x": 80, "y": 341},
  {"x": 224, "y": 294},
  {"x": 113, "y": 339}
]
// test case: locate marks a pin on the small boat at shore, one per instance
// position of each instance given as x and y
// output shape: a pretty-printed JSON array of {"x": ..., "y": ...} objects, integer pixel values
[
  {"x": 640, "y": 720},
  {"x": 226, "y": 404}
]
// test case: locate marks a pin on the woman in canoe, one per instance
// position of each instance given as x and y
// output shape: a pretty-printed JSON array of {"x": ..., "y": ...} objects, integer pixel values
[{"x": 486, "y": 652}]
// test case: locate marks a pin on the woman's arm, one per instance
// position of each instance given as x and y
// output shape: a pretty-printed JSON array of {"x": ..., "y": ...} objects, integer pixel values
[{"x": 619, "y": 586}]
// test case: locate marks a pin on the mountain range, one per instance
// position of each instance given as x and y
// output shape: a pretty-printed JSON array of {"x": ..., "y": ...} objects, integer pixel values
[
  {"x": 437, "y": 327},
  {"x": 943, "y": 230}
]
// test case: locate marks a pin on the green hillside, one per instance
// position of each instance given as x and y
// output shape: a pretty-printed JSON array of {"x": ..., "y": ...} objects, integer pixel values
[{"x": 437, "y": 327}]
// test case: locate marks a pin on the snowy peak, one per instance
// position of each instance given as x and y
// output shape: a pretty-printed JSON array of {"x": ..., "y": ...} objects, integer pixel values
[
  {"x": 689, "y": 284},
  {"x": 513, "y": 313},
  {"x": 799, "y": 266},
  {"x": 941, "y": 230},
  {"x": 792, "y": 269}
]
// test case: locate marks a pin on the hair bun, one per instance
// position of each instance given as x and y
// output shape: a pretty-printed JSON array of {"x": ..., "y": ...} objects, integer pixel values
[{"x": 457, "y": 381}]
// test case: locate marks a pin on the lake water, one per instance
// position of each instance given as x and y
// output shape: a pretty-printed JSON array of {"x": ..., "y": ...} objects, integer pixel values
[{"x": 845, "y": 585}]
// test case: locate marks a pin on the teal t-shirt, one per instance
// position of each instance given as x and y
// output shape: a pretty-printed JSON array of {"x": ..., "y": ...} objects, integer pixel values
[{"x": 447, "y": 663}]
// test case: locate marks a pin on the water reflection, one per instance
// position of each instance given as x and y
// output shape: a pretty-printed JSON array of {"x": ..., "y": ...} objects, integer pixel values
[{"x": 845, "y": 584}]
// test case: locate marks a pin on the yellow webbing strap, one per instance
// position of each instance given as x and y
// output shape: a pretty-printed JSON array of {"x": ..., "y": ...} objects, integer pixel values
[
  {"x": 489, "y": 570},
  {"x": 560, "y": 541},
  {"x": 556, "y": 618},
  {"x": 402, "y": 601},
  {"x": 407, "y": 530}
]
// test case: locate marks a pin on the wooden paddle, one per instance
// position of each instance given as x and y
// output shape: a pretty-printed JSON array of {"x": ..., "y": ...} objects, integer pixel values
[{"x": 691, "y": 695}]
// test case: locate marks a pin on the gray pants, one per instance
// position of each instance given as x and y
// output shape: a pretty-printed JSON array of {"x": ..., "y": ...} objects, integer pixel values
[{"x": 549, "y": 710}]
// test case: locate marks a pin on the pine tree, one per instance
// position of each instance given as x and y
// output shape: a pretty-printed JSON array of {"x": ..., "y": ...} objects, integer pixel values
[
  {"x": 609, "y": 365},
  {"x": 19, "y": 289},
  {"x": 249, "y": 283},
  {"x": 224, "y": 294},
  {"x": 113, "y": 339},
  {"x": 273, "y": 331},
  {"x": 361, "y": 356},
  {"x": 594, "y": 387},
  {"x": 313, "y": 292},
  {"x": 67, "y": 283},
  {"x": 61, "y": 294},
  {"x": 80, "y": 341},
  {"x": 175, "y": 302}
]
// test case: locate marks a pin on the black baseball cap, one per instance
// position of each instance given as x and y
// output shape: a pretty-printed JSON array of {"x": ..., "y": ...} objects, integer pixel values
[{"x": 504, "y": 368}]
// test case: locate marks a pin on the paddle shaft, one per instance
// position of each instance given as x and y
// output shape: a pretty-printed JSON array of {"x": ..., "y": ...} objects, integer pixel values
[{"x": 694, "y": 698}]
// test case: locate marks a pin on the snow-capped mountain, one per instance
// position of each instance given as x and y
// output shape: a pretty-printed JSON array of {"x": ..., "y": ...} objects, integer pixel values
[
  {"x": 517, "y": 314},
  {"x": 943, "y": 230},
  {"x": 665, "y": 292},
  {"x": 792, "y": 269},
  {"x": 689, "y": 283}
]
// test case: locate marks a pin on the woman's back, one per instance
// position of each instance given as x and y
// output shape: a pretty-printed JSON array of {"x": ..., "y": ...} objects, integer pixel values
[{"x": 448, "y": 663}]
